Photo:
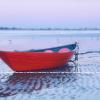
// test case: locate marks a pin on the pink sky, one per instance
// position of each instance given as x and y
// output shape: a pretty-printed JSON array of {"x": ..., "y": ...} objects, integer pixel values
[{"x": 50, "y": 13}]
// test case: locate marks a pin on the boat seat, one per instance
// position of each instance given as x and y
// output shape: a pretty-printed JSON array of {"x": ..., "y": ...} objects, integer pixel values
[
  {"x": 48, "y": 51},
  {"x": 64, "y": 50}
]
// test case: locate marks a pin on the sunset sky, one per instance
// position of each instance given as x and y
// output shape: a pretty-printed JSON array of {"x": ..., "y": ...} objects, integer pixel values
[{"x": 50, "y": 13}]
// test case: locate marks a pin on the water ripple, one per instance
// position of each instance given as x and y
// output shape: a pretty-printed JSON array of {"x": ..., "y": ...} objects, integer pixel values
[{"x": 70, "y": 86}]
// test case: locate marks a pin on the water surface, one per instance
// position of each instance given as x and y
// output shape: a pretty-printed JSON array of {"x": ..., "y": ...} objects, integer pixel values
[{"x": 81, "y": 84}]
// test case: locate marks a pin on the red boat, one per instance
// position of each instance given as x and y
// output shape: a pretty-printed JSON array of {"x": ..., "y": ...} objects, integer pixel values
[{"x": 32, "y": 60}]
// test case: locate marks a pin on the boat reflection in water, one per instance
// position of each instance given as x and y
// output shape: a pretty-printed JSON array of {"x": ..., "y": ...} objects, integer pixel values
[{"x": 19, "y": 83}]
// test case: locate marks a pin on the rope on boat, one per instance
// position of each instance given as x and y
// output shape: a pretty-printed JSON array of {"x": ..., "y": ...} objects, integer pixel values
[
  {"x": 77, "y": 51},
  {"x": 75, "y": 59}
]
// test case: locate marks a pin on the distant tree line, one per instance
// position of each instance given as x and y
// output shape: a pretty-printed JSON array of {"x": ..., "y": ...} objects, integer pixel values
[{"x": 15, "y": 28}]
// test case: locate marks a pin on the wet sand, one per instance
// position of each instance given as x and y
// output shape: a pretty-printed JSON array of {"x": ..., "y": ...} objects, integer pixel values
[
  {"x": 71, "y": 86},
  {"x": 81, "y": 83}
]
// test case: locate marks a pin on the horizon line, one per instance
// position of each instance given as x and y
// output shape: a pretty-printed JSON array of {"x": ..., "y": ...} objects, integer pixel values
[{"x": 49, "y": 28}]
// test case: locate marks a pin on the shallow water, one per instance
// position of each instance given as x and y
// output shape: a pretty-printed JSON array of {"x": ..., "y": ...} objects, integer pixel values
[{"x": 81, "y": 83}]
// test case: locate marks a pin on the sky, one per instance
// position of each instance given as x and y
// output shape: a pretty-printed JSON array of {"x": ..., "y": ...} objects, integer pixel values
[{"x": 50, "y": 13}]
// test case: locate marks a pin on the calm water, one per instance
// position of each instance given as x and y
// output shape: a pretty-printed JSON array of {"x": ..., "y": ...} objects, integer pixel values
[{"x": 80, "y": 84}]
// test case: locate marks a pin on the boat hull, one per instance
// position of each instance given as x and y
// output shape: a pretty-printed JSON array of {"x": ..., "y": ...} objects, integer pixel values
[{"x": 31, "y": 61}]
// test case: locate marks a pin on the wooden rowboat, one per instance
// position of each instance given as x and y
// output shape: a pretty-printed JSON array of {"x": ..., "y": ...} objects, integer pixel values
[{"x": 32, "y": 60}]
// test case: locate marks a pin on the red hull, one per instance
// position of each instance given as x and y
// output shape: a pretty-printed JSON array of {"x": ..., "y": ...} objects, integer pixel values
[{"x": 30, "y": 61}]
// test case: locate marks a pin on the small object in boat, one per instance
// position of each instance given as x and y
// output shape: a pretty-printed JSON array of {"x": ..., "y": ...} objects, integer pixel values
[
  {"x": 48, "y": 51},
  {"x": 64, "y": 50}
]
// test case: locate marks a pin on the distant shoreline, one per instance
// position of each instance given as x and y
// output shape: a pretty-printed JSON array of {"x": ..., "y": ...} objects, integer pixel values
[{"x": 33, "y": 29}]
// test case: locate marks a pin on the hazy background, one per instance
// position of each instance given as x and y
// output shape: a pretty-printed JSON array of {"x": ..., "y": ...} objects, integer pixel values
[{"x": 50, "y": 13}]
